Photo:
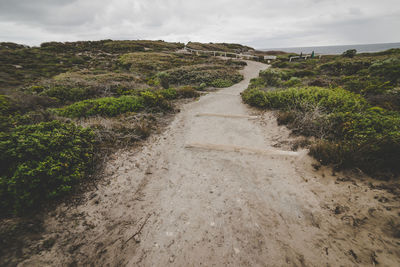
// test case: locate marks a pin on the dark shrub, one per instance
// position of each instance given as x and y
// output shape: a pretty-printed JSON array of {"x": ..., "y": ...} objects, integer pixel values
[
  {"x": 318, "y": 82},
  {"x": 389, "y": 69},
  {"x": 42, "y": 162},
  {"x": 221, "y": 83},
  {"x": 164, "y": 79},
  {"x": 304, "y": 73},
  {"x": 154, "y": 101},
  {"x": 271, "y": 77},
  {"x": 285, "y": 117},
  {"x": 354, "y": 133},
  {"x": 350, "y": 53},
  {"x": 187, "y": 92}
]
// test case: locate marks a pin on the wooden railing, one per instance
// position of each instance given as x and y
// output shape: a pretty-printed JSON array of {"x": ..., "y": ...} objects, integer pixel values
[
  {"x": 220, "y": 53},
  {"x": 241, "y": 56},
  {"x": 304, "y": 56}
]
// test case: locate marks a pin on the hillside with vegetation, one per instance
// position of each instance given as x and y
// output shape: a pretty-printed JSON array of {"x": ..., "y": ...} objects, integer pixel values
[
  {"x": 223, "y": 47},
  {"x": 64, "y": 106},
  {"x": 93, "y": 176},
  {"x": 349, "y": 104}
]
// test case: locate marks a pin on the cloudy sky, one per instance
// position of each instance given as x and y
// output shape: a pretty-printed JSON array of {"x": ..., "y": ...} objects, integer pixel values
[{"x": 259, "y": 23}]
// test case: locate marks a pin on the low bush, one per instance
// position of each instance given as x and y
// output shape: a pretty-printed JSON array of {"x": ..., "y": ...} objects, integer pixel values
[
  {"x": 366, "y": 85},
  {"x": 113, "y": 106},
  {"x": 154, "y": 101},
  {"x": 320, "y": 82},
  {"x": 331, "y": 100},
  {"x": 107, "y": 106},
  {"x": 285, "y": 117},
  {"x": 353, "y": 133},
  {"x": 358, "y": 125},
  {"x": 292, "y": 82},
  {"x": 257, "y": 83},
  {"x": 388, "y": 69},
  {"x": 202, "y": 87},
  {"x": 271, "y": 77},
  {"x": 221, "y": 83},
  {"x": 169, "y": 93},
  {"x": 304, "y": 73},
  {"x": 5, "y": 120},
  {"x": 226, "y": 47},
  {"x": 42, "y": 162},
  {"x": 279, "y": 78},
  {"x": 149, "y": 63},
  {"x": 344, "y": 67},
  {"x": 255, "y": 97},
  {"x": 187, "y": 92},
  {"x": 163, "y": 77},
  {"x": 349, "y": 53},
  {"x": 369, "y": 139},
  {"x": 67, "y": 94},
  {"x": 207, "y": 74}
]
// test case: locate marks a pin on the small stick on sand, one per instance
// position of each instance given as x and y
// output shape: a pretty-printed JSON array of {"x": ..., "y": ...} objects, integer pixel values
[{"x": 140, "y": 228}]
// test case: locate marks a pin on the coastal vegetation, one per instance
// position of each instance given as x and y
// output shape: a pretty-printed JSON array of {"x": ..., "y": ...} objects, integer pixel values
[
  {"x": 223, "y": 47},
  {"x": 349, "y": 103},
  {"x": 65, "y": 106}
]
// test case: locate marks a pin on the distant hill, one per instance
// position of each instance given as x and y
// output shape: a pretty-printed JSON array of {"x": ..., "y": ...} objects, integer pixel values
[
  {"x": 226, "y": 47},
  {"x": 20, "y": 64}
]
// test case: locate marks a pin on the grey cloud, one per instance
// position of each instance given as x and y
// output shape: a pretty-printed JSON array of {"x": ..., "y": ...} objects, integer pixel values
[{"x": 258, "y": 23}]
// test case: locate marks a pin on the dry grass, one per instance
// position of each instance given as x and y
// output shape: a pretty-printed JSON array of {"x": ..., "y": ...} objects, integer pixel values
[{"x": 121, "y": 131}]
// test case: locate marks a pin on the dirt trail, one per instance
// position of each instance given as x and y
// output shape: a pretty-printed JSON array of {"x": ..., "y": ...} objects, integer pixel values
[{"x": 221, "y": 187}]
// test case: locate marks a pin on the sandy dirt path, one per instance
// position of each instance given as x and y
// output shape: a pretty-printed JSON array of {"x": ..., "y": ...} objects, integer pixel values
[{"x": 220, "y": 187}]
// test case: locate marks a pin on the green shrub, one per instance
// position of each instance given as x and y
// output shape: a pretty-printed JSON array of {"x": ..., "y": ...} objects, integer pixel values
[
  {"x": 331, "y": 100},
  {"x": 271, "y": 77},
  {"x": 369, "y": 139},
  {"x": 154, "y": 100},
  {"x": 367, "y": 85},
  {"x": 169, "y": 93},
  {"x": 388, "y": 69},
  {"x": 257, "y": 83},
  {"x": 65, "y": 94},
  {"x": 164, "y": 79},
  {"x": 255, "y": 97},
  {"x": 198, "y": 74},
  {"x": 107, "y": 106},
  {"x": 354, "y": 134},
  {"x": 42, "y": 162},
  {"x": 149, "y": 63},
  {"x": 350, "y": 53},
  {"x": 113, "y": 106},
  {"x": 281, "y": 64},
  {"x": 5, "y": 116},
  {"x": 304, "y": 73},
  {"x": 292, "y": 82},
  {"x": 221, "y": 83},
  {"x": 344, "y": 67},
  {"x": 202, "y": 86}
]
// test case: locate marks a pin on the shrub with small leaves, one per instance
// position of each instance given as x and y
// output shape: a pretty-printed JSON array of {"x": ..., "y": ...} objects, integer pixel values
[
  {"x": 354, "y": 134},
  {"x": 42, "y": 162},
  {"x": 187, "y": 92},
  {"x": 349, "y": 53},
  {"x": 107, "y": 106},
  {"x": 221, "y": 83},
  {"x": 164, "y": 79}
]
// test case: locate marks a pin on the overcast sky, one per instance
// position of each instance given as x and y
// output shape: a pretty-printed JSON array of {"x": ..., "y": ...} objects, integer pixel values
[{"x": 258, "y": 23}]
